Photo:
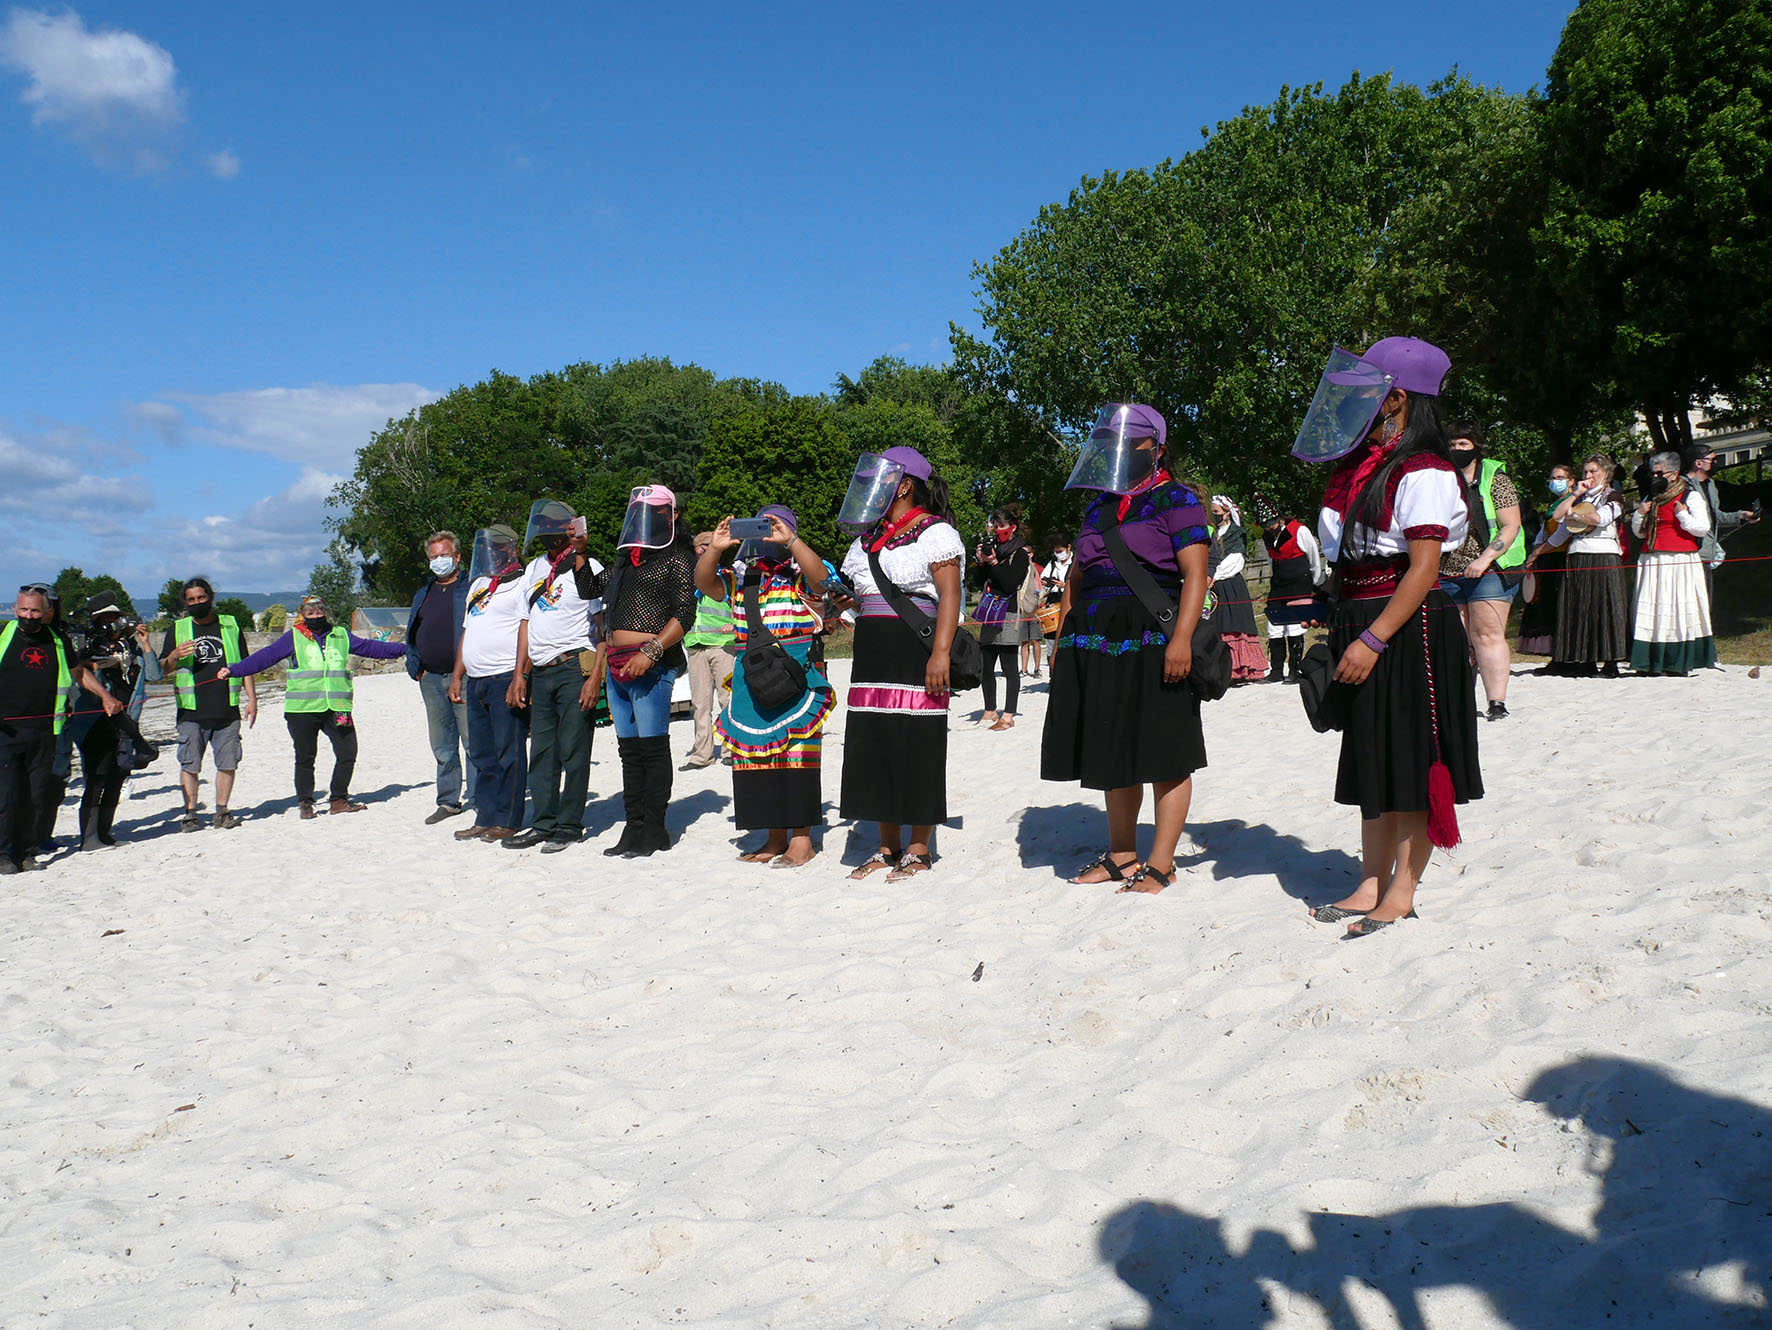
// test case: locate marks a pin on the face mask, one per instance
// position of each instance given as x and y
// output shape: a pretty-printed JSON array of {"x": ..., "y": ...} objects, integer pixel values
[
  {"x": 1558, "y": 485},
  {"x": 200, "y": 609},
  {"x": 443, "y": 565},
  {"x": 1658, "y": 485},
  {"x": 318, "y": 627},
  {"x": 1463, "y": 457},
  {"x": 33, "y": 627}
]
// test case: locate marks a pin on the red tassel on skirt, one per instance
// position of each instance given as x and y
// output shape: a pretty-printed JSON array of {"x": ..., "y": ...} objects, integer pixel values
[{"x": 1442, "y": 807}]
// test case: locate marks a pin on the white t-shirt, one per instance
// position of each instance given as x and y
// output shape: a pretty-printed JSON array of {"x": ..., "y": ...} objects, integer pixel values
[
  {"x": 1426, "y": 499},
  {"x": 909, "y": 564},
  {"x": 561, "y": 620},
  {"x": 489, "y": 634}
]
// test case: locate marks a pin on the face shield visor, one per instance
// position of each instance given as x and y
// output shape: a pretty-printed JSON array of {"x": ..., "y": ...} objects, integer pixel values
[
  {"x": 651, "y": 520},
  {"x": 871, "y": 491},
  {"x": 1342, "y": 410},
  {"x": 1120, "y": 455},
  {"x": 551, "y": 523},
  {"x": 495, "y": 554}
]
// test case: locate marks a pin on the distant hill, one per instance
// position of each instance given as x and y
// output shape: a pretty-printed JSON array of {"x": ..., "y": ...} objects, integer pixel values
[{"x": 255, "y": 600}]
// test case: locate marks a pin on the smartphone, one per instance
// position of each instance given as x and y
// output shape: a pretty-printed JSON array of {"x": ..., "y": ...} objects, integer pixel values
[
  {"x": 750, "y": 528},
  {"x": 577, "y": 528}
]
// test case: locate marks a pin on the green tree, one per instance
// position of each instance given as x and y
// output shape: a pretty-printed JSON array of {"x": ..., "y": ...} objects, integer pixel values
[
  {"x": 238, "y": 610},
  {"x": 75, "y": 589},
  {"x": 276, "y": 617},
  {"x": 781, "y": 451},
  {"x": 335, "y": 580},
  {"x": 1657, "y": 231},
  {"x": 172, "y": 598}
]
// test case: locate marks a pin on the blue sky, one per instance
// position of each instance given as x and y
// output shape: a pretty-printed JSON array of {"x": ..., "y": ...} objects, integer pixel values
[{"x": 237, "y": 239}]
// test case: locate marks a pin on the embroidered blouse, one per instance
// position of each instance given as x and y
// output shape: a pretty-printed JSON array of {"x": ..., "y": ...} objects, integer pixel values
[
  {"x": 1426, "y": 502},
  {"x": 1159, "y": 523},
  {"x": 908, "y": 559}
]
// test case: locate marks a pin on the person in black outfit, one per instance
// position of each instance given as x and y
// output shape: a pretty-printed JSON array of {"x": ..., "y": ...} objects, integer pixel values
[
  {"x": 112, "y": 746},
  {"x": 1003, "y": 559}
]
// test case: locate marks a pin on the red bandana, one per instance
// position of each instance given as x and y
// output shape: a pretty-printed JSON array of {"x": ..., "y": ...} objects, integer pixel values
[{"x": 896, "y": 527}]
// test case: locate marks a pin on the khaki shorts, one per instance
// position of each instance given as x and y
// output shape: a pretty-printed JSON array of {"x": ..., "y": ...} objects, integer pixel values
[{"x": 222, "y": 741}]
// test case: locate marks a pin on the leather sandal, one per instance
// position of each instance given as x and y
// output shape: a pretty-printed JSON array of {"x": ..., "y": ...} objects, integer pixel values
[
  {"x": 872, "y": 864},
  {"x": 1115, "y": 872}
]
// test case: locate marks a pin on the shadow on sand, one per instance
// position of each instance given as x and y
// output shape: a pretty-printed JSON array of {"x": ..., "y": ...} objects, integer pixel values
[{"x": 1686, "y": 1187}]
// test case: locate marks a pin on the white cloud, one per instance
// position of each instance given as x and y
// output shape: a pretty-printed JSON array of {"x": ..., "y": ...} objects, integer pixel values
[
  {"x": 271, "y": 545},
  {"x": 114, "y": 93},
  {"x": 48, "y": 485},
  {"x": 321, "y": 426},
  {"x": 223, "y": 165}
]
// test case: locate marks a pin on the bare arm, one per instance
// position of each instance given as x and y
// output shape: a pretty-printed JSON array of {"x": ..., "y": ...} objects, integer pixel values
[{"x": 1424, "y": 570}]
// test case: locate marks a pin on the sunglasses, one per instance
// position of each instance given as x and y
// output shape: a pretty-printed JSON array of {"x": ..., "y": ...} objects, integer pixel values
[{"x": 36, "y": 589}]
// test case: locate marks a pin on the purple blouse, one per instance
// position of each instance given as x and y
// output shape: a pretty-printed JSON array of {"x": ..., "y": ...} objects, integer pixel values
[{"x": 1162, "y": 521}]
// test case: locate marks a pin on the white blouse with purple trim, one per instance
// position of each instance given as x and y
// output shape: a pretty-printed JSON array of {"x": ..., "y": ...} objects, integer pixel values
[{"x": 1429, "y": 503}]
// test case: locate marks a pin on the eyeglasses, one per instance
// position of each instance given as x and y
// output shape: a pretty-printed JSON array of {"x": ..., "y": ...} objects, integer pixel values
[{"x": 36, "y": 589}]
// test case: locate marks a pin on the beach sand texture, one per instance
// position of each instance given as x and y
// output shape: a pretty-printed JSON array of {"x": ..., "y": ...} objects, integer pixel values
[{"x": 354, "y": 1074}]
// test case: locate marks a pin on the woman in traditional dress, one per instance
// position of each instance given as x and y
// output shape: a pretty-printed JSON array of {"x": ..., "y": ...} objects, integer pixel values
[
  {"x": 1234, "y": 610},
  {"x": 1003, "y": 561},
  {"x": 1538, "y": 620},
  {"x": 1297, "y": 570},
  {"x": 775, "y": 751},
  {"x": 1593, "y": 610},
  {"x": 1393, "y": 505},
  {"x": 1673, "y": 627},
  {"x": 1122, "y": 714},
  {"x": 895, "y": 748}
]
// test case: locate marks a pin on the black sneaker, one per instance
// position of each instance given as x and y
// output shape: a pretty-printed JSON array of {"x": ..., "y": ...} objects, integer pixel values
[
  {"x": 443, "y": 813},
  {"x": 522, "y": 840},
  {"x": 559, "y": 841},
  {"x": 7, "y": 867},
  {"x": 1497, "y": 711}
]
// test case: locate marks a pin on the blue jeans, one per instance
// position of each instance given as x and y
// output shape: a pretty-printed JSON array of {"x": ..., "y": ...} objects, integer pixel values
[
  {"x": 641, "y": 708},
  {"x": 496, "y": 747},
  {"x": 448, "y": 724}
]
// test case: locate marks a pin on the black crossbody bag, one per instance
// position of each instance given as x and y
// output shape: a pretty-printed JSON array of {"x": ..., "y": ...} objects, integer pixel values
[
  {"x": 965, "y": 656},
  {"x": 776, "y": 680},
  {"x": 1210, "y": 675}
]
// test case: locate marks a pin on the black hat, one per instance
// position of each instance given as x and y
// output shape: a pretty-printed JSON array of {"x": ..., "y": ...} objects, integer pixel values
[{"x": 1265, "y": 512}]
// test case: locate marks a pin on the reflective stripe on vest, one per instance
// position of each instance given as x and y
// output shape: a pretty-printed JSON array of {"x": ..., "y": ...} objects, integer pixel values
[
  {"x": 1515, "y": 554},
  {"x": 321, "y": 678},
  {"x": 184, "y": 678},
  {"x": 64, "y": 682}
]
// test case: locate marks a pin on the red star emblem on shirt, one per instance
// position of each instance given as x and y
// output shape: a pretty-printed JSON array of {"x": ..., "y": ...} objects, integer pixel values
[{"x": 35, "y": 658}]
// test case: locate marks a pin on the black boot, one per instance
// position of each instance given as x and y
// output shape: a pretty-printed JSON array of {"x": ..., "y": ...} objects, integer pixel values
[
  {"x": 1276, "y": 655},
  {"x": 633, "y": 794},
  {"x": 1295, "y": 658},
  {"x": 90, "y": 801},
  {"x": 657, "y": 758}
]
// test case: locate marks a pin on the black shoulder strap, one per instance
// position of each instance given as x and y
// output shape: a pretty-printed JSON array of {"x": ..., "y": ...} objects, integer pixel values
[
  {"x": 759, "y": 635},
  {"x": 1135, "y": 575},
  {"x": 901, "y": 604}
]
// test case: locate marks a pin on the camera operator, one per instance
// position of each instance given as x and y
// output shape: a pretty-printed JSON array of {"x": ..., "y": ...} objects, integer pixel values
[{"x": 110, "y": 746}]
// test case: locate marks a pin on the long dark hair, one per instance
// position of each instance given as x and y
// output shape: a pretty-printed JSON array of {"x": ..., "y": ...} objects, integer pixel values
[
  {"x": 1425, "y": 433},
  {"x": 933, "y": 495}
]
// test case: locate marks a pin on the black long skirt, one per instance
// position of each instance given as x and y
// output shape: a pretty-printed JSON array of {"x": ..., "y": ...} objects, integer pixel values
[
  {"x": 1236, "y": 611},
  {"x": 1538, "y": 619},
  {"x": 1111, "y": 721},
  {"x": 1390, "y": 738},
  {"x": 1593, "y": 614},
  {"x": 895, "y": 745}
]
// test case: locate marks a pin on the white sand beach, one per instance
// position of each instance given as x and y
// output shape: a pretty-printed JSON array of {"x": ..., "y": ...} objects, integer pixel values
[{"x": 354, "y": 1074}]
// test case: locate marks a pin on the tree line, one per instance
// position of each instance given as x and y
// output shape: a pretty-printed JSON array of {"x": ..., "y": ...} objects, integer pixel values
[{"x": 1587, "y": 253}]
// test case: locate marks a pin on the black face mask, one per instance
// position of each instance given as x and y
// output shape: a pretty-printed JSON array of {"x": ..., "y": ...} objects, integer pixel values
[
  {"x": 1658, "y": 484},
  {"x": 33, "y": 627},
  {"x": 200, "y": 609},
  {"x": 318, "y": 627},
  {"x": 1463, "y": 457}
]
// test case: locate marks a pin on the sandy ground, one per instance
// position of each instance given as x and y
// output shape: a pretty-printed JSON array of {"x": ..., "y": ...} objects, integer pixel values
[{"x": 353, "y": 1074}]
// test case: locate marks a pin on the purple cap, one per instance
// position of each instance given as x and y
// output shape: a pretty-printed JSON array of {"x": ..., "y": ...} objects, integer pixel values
[
  {"x": 913, "y": 462},
  {"x": 1141, "y": 422},
  {"x": 1411, "y": 364},
  {"x": 782, "y": 511}
]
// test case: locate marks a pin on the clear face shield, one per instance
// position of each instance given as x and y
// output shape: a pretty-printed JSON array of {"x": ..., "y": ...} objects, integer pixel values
[
  {"x": 871, "y": 491},
  {"x": 647, "y": 525},
  {"x": 495, "y": 554},
  {"x": 1119, "y": 456},
  {"x": 551, "y": 523},
  {"x": 1341, "y": 413}
]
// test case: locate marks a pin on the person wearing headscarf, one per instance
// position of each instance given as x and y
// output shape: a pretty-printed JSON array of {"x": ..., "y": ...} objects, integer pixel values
[
  {"x": 318, "y": 696},
  {"x": 1393, "y": 505},
  {"x": 1298, "y": 569},
  {"x": 1672, "y": 634},
  {"x": 650, "y": 599},
  {"x": 1230, "y": 601},
  {"x": 1121, "y": 713},
  {"x": 776, "y": 750},
  {"x": 895, "y": 748}
]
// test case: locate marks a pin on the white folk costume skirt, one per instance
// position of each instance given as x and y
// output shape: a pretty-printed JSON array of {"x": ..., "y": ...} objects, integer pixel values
[
  {"x": 895, "y": 743},
  {"x": 1673, "y": 628}
]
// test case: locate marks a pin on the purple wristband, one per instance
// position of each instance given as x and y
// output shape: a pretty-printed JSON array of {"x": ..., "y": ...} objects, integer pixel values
[{"x": 1376, "y": 643}]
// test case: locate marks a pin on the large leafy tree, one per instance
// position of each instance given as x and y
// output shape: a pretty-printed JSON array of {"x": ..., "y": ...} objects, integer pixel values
[
  {"x": 1657, "y": 231},
  {"x": 783, "y": 451},
  {"x": 75, "y": 588},
  {"x": 1213, "y": 286}
]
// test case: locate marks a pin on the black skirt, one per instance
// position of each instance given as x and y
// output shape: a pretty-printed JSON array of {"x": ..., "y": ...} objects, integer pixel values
[
  {"x": 1538, "y": 618},
  {"x": 768, "y": 798},
  {"x": 1593, "y": 612},
  {"x": 1236, "y": 612},
  {"x": 895, "y": 744},
  {"x": 1111, "y": 721},
  {"x": 1390, "y": 738}
]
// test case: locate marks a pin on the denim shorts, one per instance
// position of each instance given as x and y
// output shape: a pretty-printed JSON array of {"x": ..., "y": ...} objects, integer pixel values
[{"x": 1463, "y": 590}]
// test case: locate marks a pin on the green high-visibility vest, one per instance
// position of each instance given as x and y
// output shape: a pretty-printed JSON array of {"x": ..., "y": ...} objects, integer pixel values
[
  {"x": 321, "y": 679},
  {"x": 1515, "y": 554},
  {"x": 713, "y": 623},
  {"x": 63, "y": 678},
  {"x": 184, "y": 678}
]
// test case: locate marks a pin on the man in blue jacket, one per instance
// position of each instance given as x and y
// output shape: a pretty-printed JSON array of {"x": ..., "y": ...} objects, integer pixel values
[{"x": 433, "y": 634}]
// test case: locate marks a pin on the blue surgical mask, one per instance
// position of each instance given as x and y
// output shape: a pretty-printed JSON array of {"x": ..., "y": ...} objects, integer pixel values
[
  {"x": 1558, "y": 485},
  {"x": 443, "y": 565}
]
